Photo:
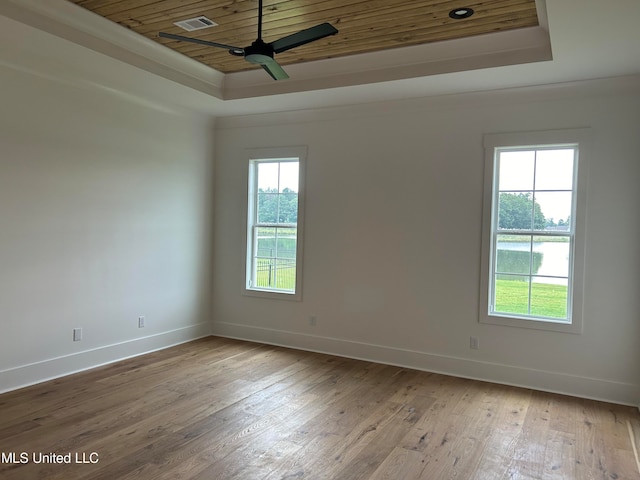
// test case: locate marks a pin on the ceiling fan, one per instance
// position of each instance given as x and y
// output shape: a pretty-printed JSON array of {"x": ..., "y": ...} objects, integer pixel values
[{"x": 262, "y": 53}]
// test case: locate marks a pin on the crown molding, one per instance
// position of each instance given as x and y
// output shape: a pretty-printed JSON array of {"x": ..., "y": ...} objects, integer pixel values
[{"x": 600, "y": 87}]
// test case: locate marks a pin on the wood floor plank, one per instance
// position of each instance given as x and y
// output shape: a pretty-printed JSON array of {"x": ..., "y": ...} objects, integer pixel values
[
  {"x": 400, "y": 464},
  {"x": 235, "y": 410},
  {"x": 529, "y": 454},
  {"x": 503, "y": 438},
  {"x": 343, "y": 419},
  {"x": 379, "y": 439}
]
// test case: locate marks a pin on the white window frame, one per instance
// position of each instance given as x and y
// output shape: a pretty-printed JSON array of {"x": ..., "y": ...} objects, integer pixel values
[
  {"x": 493, "y": 143},
  {"x": 275, "y": 154}
]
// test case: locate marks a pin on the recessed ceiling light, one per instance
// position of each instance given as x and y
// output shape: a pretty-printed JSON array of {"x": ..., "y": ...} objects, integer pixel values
[{"x": 459, "y": 13}]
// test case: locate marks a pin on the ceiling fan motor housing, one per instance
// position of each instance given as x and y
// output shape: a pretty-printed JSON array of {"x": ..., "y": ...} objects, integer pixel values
[{"x": 258, "y": 52}]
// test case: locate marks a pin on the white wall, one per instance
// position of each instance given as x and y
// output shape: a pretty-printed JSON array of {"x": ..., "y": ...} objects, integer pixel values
[
  {"x": 105, "y": 215},
  {"x": 393, "y": 232}
]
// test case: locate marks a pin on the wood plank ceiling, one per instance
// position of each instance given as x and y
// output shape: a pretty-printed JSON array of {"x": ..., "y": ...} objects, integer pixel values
[{"x": 364, "y": 25}]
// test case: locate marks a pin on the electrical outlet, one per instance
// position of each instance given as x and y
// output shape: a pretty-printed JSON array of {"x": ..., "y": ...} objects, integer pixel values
[
  {"x": 474, "y": 343},
  {"x": 77, "y": 334},
  {"x": 313, "y": 320},
  {"x": 141, "y": 321}
]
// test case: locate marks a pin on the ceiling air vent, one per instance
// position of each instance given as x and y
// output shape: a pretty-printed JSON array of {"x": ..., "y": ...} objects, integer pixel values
[{"x": 197, "y": 23}]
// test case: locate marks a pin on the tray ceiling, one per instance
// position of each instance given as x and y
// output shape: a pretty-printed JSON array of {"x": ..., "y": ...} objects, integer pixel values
[{"x": 364, "y": 26}]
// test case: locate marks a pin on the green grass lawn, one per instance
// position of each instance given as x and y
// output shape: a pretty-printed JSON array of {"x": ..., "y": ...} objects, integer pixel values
[
  {"x": 547, "y": 300},
  {"x": 283, "y": 278}
]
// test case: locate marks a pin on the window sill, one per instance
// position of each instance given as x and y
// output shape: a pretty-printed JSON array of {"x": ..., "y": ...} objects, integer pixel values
[
  {"x": 272, "y": 295},
  {"x": 534, "y": 324}
]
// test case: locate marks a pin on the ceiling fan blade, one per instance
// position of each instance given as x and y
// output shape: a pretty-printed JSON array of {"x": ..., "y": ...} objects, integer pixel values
[
  {"x": 303, "y": 36},
  {"x": 201, "y": 42},
  {"x": 274, "y": 69}
]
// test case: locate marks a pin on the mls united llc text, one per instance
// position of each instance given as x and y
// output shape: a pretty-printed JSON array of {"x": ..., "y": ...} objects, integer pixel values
[{"x": 52, "y": 457}]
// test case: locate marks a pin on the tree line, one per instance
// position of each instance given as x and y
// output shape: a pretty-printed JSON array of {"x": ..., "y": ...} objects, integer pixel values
[
  {"x": 515, "y": 213},
  {"x": 277, "y": 207}
]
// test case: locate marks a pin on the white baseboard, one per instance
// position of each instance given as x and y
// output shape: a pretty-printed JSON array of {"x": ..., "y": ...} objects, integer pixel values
[
  {"x": 554, "y": 382},
  {"x": 30, "y": 374}
]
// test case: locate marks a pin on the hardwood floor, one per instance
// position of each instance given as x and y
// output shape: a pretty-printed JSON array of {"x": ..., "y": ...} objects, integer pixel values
[{"x": 225, "y": 409}]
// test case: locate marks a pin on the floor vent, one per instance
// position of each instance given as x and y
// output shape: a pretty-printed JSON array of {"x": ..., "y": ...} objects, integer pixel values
[{"x": 197, "y": 23}]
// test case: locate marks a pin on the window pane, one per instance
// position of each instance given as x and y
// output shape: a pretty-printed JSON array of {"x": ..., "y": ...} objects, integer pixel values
[
  {"x": 288, "y": 208},
  {"x": 285, "y": 274},
  {"x": 276, "y": 258},
  {"x": 516, "y": 170},
  {"x": 513, "y": 254},
  {"x": 265, "y": 272},
  {"x": 286, "y": 243},
  {"x": 289, "y": 177},
  {"x": 265, "y": 242},
  {"x": 511, "y": 294},
  {"x": 515, "y": 212},
  {"x": 267, "y": 207},
  {"x": 268, "y": 176},
  {"x": 554, "y": 169},
  {"x": 556, "y": 210},
  {"x": 549, "y": 299},
  {"x": 554, "y": 255}
]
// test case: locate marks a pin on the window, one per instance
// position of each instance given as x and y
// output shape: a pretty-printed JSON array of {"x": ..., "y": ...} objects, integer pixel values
[
  {"x": 274, "y": 223},
  {"x": 533, "y": 231}
]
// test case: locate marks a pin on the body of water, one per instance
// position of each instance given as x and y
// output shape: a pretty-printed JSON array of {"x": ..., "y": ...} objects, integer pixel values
[{"x": 552, "y": 259}]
